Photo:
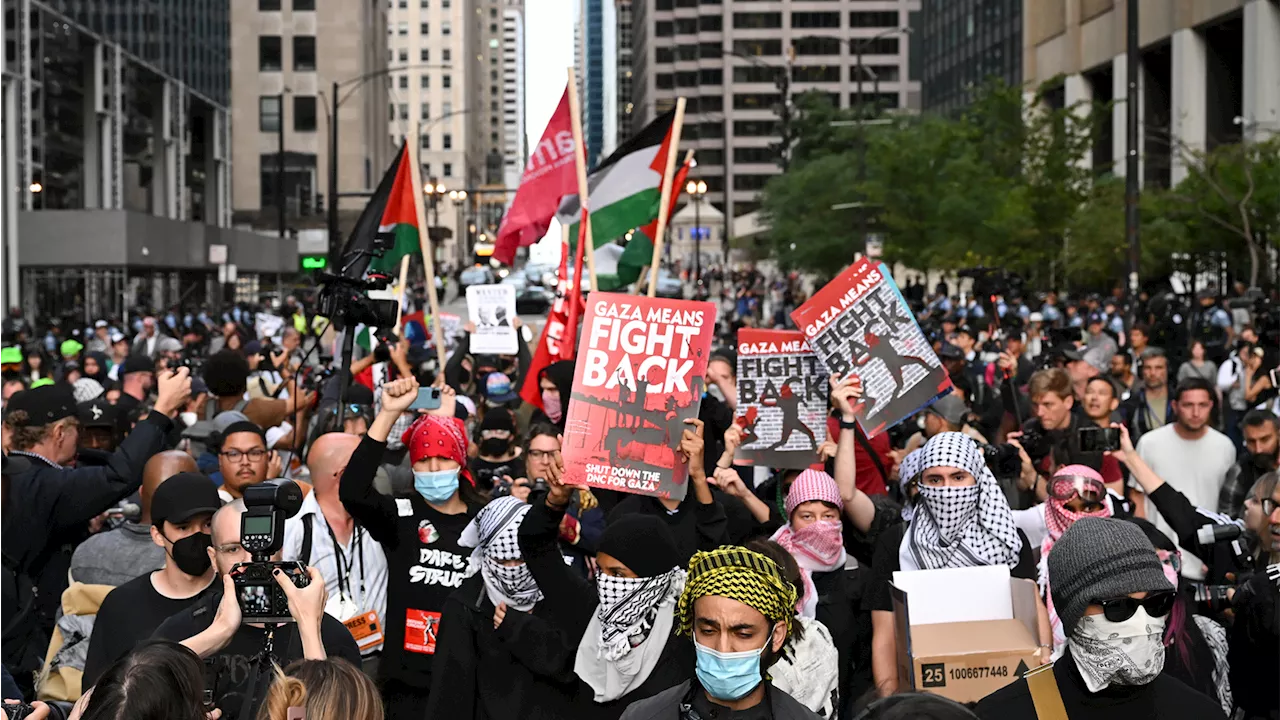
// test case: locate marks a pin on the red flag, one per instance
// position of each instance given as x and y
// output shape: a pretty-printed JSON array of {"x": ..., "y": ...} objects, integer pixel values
[
  {"x": 549, "y": 175},
  {"x": 556, "y": 341}
]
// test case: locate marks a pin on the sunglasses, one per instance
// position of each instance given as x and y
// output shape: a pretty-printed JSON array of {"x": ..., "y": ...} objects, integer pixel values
[
  {"x": 1121, "y": 609},
  {"x": 1064, "y": 487}
]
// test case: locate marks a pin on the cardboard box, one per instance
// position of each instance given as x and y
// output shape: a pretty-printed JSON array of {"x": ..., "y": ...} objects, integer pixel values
[{"x": 963, "y": 633}]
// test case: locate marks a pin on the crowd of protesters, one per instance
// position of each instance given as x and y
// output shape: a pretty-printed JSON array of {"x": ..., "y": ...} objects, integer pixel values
[{"x": 452, "y": 573}]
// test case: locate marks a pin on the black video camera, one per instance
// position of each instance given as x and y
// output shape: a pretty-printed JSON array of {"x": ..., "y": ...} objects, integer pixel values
[
  {"x": 267, "y": 505},
  {"x": 1003, "y": 460}
]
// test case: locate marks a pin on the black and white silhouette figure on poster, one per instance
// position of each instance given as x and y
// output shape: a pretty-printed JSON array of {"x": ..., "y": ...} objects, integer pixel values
[{"x": 789, "y": 403}]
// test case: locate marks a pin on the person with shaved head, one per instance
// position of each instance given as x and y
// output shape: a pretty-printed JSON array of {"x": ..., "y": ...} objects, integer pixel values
[
  {"x": 117, "y": 556},
  {"x": 325, "y": 536}
]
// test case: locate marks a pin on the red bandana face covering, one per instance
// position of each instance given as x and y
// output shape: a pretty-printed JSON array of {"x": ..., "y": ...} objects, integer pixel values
[{"x": 430, "y": 436}]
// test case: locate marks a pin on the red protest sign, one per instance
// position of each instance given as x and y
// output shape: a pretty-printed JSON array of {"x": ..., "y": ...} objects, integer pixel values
[
  {"x": 859, "y": 324},
  {"x": 639, "y": 375}
]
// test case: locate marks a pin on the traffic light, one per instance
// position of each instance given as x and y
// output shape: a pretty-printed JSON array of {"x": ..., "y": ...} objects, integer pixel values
[
  {"x": 304, "y": 199},
  {"x": 319, "y": 203}
]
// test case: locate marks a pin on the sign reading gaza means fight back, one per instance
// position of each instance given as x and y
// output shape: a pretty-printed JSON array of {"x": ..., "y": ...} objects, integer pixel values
[
  {"x": 639, "y": 375},
  {"x": 782, "y": 398},
  {"x": 859, "y": 324}
]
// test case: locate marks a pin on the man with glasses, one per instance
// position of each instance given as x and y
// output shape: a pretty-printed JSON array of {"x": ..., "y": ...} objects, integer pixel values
[
  {"x": 244, "y": 459},
  {"x": 1113, "y": 599}
]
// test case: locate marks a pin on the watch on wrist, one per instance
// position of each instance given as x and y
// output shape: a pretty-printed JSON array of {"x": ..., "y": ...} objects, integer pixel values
[{"x": 848, "y": 425}]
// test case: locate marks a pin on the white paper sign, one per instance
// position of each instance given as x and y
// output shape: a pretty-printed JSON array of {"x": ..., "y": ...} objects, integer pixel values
[
  {"x": 492, "y": 309},
  {"x": 956, "y": 594},
  {"x": 267, "y": 325}
]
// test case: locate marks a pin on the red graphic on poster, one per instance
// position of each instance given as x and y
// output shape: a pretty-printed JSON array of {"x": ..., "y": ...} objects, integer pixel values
[
  {"x": 859, "y": 324},
  {"x": 420, "y": 630},
  {"x": 782, "y": 398},
  {"x": 639, "y": 375}
]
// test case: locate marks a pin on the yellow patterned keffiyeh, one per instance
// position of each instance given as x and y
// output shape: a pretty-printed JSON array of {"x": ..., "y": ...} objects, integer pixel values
[{"x": 740, "y": 574}]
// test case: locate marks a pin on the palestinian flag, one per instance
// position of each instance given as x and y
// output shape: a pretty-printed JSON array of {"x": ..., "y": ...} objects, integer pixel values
[
  {"x": 625, "y": 188},
  {"x": 639, "y": 251},
  {"x": 389, "y": 217}
]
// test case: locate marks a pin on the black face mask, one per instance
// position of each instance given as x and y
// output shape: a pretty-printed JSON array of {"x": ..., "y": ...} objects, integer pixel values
[
  {"x": 191, "y": 555},
  {"x": 494, "y": 447}
]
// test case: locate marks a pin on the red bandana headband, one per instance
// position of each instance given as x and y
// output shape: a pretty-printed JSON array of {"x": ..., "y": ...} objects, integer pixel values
[{"x": 432, "y": 436}]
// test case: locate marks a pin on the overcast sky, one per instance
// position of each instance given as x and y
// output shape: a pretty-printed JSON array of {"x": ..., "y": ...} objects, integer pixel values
[{"x": 548, "y": 53}]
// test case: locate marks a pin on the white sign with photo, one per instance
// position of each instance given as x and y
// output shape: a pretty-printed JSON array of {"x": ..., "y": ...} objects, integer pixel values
[{"x": 493, "y": 309}]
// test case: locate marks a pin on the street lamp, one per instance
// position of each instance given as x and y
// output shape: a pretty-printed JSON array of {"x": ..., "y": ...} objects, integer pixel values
[
  {"x": 696, "y": 190},
  {"x": 36, "y": 187},
  {"x": 434, "y": 192},
  {"x": 459, "y": 198}
]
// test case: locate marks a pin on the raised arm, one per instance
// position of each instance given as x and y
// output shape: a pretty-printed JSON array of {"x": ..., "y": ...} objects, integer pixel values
[
  {"x": 375, "y": 511},
  {"x": 857, "y": 506}
]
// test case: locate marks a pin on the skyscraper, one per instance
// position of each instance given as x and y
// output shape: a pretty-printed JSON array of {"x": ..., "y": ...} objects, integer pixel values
[
  {"x": 597, "y": 66},
  {"x": 964, "y": 44},
  {"x": 515, "y": 149},
  {"x": 729, "y": 61}
]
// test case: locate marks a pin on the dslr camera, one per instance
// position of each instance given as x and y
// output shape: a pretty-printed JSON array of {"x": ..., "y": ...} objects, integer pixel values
[{"x": 268, "y": 505}]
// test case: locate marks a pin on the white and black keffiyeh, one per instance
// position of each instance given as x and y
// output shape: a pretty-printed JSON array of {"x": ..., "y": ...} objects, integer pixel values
[
  {"x": 493, "y": 535},
  {"x": 628, "y": 607},
  {"x": 960, "y": 526},
  {"x": 908, "y": 469},
  {"x": 624, "y": 640}
]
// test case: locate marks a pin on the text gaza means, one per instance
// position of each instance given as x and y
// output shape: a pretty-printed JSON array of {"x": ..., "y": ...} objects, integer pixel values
[{"x": 662, "y": 336}]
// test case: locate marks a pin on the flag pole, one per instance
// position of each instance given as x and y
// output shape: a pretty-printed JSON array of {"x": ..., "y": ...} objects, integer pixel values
[
  {"x": 424, "y": 241},
  {"x": 644, "y": 271},
  {"x": 400, "y": 287},
  {"x": 580, "y": 160},
  {"x": 676, "y": 125},
  {"x": 573, "y": 291}
]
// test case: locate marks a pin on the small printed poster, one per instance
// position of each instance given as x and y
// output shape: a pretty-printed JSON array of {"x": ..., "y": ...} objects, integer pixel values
[
  {"x": 492, "y": 309},
  {"x": 859, "y": 324},
  {"x": 782, "y": 398},
  {"x": 420, "y": 630},
  {"x": 640, "y": 371}
]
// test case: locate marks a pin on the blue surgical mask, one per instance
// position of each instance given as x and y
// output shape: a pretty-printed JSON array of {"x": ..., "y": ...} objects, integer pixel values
[
  {"x": 436, "y": 487},
  {"x": 728, "y": 676}
]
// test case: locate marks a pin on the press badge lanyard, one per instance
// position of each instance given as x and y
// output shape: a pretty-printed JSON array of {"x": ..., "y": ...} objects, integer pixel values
[{"x": 344, "y": 568}]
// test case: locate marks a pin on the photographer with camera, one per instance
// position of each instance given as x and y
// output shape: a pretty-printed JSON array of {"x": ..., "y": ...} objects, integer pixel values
[
  {"x": 241, "y": 651},
  {"x": 49, "y": 505},
  {"x": 499, "y": 457},
  {"x": 325, "y": 536}
]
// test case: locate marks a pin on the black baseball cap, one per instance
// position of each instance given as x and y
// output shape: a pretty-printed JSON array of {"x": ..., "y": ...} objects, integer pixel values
[
  {"x": 97, "y": 413},
  {"x": 183, "y": 497},
  {"x": 44, "y": 404},
  {"x": 137, "y": 363}
]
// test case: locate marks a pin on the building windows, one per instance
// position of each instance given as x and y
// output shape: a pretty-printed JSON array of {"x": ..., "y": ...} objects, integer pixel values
[
  {"x": 885, "y": 19},
  {"x": 403, "y": 82},
  {"x": 493, "y": 12},
  {"x": 815, "y": 73},
  {"x": 687, "y": 79},
  {"x": 755, "y": 128},
  {"x": 424, "y": 29},
  {"x": 493, "y": 28},
  {"x": 755, "y": 101},
  {"x": 750, "y": 182},
  {"x": 665, "y": 81},
  {"x": 403, "y": 29},
  {"x": 710, "y": 76},
  {"x": 269, "y": 113},
  {"x": 304, "y": 5},
  {"x": 493, "y": 106},
  {"x": 446, "y": 55},
  {"x": 392, "y": 107},
  {"x": 817, "y": 45},
  {"x": 664, "y": 28},
  {"x": 425, "y": 4},
  {"x": 664, "y": 54},
  {"x": 269, "y": 53},
  {"x": 686, "y": 26},
  {"x": 881, "y": 46},
  {"x": 446, "y": 109},
  {"x": 424, "y": 55},
  {"x": 758, "y": 48},
  {"x": 761, "y": 20},
  {"x": 493, "y": 138},
  {"x": 448, "y": 170},
  {"x": 424, "y": 142},
  {"x": 404, "y": 111},
  {"x": 426, "y": 111},
  {"x": 304, "y": 53},
  {"x": 304, "y": 113},
  {"x": 710, "y": 23},
  {"x": 268, "y": 5},
  {"x": 687, "y": 52},
  {"x": 425, "y": 82},
  {"x": 446, "y": 28},
  {"x": 754, "y": 74},
  {"x": 815, "y": 19},
  {"x": 426, "y": 170},
  {"x": 446, "y": 81},
  {"x": 493, "y": 91},
  {"x": 493, "y": 75},
  {"x": 404, "y": 55},
  {"x": 446, "y": 141},
  {"x": 749, "y": 155}
]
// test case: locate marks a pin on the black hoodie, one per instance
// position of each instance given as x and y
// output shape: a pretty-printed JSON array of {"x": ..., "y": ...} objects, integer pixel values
[{"x": 560, "y": 373}]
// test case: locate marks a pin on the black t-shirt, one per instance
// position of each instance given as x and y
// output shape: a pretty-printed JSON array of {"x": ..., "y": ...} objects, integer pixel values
[
  {"x": 228, "y": 673},
  {"x": 129, "y": 615},
  {"x": 885, "y": 563}
]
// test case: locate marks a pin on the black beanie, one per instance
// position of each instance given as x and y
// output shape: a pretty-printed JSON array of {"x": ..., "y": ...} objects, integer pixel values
[{"x": 641, "y": 542}]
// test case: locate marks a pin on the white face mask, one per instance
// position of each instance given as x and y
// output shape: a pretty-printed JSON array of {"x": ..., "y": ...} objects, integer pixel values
[{"x": 1118, "y": 653}]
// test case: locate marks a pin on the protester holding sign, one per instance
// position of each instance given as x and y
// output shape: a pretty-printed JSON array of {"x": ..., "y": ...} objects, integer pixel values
[
  {"x": 493, "y": 311},
  {"x": 782, "y": 399},
  {"x": 623, "y": 626}
]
